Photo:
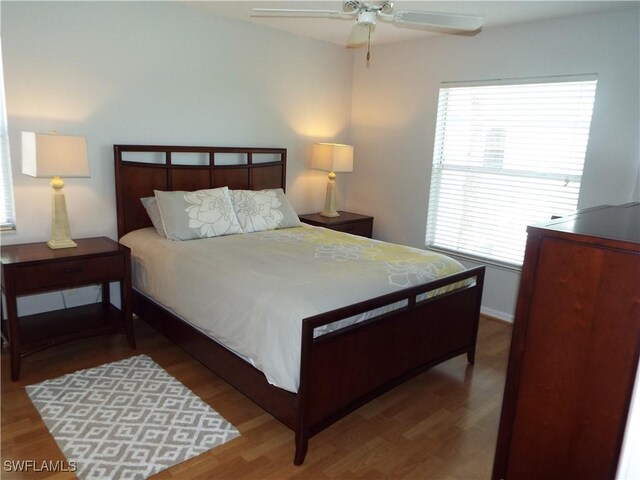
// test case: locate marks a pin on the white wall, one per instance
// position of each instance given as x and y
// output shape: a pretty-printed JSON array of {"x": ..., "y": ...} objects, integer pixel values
[
  {"x": 160, "y": 73},
  {"x": 395, "y": 104}
]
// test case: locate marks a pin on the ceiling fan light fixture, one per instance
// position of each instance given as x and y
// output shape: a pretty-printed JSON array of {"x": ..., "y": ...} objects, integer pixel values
[{"x": 367, "y": 18}]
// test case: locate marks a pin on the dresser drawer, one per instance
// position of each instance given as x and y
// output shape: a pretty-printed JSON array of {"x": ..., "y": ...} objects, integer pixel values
[
  {"x": 363, "y": 229},
  {"x": 68, "y": 273}
]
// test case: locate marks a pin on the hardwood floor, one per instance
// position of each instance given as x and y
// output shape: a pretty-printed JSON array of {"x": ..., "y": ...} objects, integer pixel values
[{"x": 440, "y": 425}]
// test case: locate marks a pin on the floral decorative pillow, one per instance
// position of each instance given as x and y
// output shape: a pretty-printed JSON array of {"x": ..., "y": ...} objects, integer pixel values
[
  {"x": 199, "y": 214},
  {"x": 151, "y": 206},
  {"x": 263, "y": 210}
]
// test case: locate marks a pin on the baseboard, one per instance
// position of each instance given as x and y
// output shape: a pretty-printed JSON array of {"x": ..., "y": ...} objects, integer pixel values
[{"x": 497, "y": 315}]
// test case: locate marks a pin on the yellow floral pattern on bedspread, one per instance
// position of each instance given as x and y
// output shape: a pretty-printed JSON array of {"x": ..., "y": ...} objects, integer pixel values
[{"x": 405, "y": 266}]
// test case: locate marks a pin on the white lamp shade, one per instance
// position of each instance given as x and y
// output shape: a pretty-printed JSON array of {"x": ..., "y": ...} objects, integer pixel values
[
  {"x": 51, "y": 155},
  {"x": 332, "y": 157}
]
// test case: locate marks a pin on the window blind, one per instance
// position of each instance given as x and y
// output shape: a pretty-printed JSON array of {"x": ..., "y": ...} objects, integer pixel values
[
  {"x": 505, "y": 156},
  {"x": 7, "y": 216}
]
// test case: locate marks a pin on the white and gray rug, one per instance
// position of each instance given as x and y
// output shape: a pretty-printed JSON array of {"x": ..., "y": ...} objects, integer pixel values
[{"x": 127, "y": 420}]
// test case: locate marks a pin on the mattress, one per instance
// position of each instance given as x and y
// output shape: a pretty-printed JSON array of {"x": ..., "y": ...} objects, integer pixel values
[{"x": 250, "y": 292}]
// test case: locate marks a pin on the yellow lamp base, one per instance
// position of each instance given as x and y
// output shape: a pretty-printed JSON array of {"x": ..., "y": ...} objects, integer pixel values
[
  {"x": 60, "y": 234},
  {"x": 56, "y": 243},
  {"x": 329, "y": 214},
  {"x": 330, "y": 198}
]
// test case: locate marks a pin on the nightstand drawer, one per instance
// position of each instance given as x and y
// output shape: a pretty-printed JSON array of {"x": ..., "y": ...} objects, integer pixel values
[
  {"x": 68, "y": 273},
  {"x": 359, "y": 228}
]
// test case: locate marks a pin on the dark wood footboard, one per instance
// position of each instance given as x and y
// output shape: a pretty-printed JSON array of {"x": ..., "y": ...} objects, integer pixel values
[{"x": 343, "y": 370}]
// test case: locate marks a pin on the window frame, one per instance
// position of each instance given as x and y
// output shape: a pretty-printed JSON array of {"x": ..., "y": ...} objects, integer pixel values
[{"x": 8, "y": 219}]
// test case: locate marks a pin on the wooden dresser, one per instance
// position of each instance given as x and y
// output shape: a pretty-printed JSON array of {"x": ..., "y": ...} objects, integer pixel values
[{"x": 575, "y": 348}]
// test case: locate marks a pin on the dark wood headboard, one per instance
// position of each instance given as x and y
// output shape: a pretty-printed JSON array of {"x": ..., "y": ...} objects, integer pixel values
[{"x": 141, "y": 169}]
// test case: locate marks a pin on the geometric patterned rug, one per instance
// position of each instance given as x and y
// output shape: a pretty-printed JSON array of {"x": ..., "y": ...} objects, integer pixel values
[{"x": 127, "y": 420}]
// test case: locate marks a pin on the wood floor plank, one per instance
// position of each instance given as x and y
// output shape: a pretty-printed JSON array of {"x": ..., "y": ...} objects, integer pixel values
[{"x": 442, "y": 424}]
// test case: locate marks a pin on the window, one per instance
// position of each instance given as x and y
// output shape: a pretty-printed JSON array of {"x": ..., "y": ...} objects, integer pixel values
[
  {"x": 7, "y": 217},
  {"x": 506, "y": 156}
]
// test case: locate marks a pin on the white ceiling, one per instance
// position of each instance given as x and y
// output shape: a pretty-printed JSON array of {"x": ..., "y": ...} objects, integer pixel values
[{"x": 336, "y": 30}]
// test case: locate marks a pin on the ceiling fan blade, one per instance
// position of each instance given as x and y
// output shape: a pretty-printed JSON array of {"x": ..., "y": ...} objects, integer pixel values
[
  {"x": 447, "y": 21},
  {"x": 359, "y": 35},
  {"x": 293, "y": 12}
]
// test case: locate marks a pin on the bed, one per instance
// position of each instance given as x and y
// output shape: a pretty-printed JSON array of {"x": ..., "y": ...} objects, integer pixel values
[{"x": 396, "y": 336}]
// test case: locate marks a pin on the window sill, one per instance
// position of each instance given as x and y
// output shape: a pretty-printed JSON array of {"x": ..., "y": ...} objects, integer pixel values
[{"x": 479, "y": 260}]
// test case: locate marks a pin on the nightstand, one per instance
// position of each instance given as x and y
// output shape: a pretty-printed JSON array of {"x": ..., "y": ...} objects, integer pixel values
[
  {"x": 348, "y": 222},
  {"x": 35, "y": 268}
]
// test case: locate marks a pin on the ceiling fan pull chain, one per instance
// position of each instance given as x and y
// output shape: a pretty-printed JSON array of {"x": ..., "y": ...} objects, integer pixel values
[{"x": 369, "y": 47}]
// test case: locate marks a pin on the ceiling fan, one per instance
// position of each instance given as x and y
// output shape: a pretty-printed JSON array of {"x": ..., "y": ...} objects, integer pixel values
[{"x": 367, "y": 13}]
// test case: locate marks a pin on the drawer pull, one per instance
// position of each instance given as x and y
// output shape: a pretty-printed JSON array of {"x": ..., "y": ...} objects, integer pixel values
[{"x": 73, "y": 270}]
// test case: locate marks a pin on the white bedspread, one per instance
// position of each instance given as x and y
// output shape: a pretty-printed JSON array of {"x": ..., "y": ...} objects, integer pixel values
[{"x": 250, "y": 292}]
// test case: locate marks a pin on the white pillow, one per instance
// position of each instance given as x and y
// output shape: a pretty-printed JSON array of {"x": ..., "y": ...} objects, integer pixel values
[
  {"x": 263, "y": 210},
  {"x": 200, "y": 214},
  {"x": 151, "y": 206}
]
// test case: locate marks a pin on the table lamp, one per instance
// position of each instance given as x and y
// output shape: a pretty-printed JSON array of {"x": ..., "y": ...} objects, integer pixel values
[
  {"x": 333, "y": 158},
  {"x": 52, "y": 155}
]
